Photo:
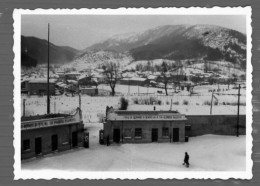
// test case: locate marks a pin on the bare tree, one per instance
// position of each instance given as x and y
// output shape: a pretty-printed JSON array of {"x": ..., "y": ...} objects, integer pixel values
[
  {"x": 111, "y": 72},
  {"x": 164, "y": 74}
]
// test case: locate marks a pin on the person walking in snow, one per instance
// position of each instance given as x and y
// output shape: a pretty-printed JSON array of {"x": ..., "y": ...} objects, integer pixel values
[
  {"x": 186, "y": 160},
  {"x": 108, "y": 142}
]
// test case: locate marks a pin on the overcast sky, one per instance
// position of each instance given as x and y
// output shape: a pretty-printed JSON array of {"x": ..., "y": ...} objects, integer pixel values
[{"x": 81, "y": 31}]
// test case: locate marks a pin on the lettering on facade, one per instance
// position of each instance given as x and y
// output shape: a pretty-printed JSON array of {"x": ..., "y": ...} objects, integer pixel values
[
  {"x": 41, "y": 124},
  {"x": 145, "y": 117}
]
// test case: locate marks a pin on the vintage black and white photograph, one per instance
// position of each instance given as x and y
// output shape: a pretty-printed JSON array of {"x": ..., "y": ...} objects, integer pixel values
[{"x": 133, "y": 93}]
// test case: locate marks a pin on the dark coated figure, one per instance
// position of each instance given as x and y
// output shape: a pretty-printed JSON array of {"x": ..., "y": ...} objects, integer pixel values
[
  {"x": 108, "y": 142},
  {"x": 186, "y": 160}
]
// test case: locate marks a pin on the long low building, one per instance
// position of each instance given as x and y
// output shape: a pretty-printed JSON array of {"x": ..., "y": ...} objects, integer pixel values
[
  {"x": 38, "y": 86},
  {"x": 134, "y": 81},
  {"x": 143, "y": 126},
  {"x": 41, "y": 135}
]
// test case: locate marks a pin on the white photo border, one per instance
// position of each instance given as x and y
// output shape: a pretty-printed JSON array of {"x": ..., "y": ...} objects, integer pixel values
[{"x": 50, "y": 174}]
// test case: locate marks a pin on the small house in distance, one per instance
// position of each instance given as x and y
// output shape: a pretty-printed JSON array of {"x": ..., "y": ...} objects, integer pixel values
[
  {"x": 186, "y": 84},
  {"x": 91, "y": 91},
  {"x": 45, "y": 134},
  {"x": 87, "y": 81},
  {"x": 72, "y": 76},
  {"x": 143, "y": 126},
  {"x": 25, "y": 86},
  {"x": 39, "y": 86},
  {"x": 134, "y": 81}
]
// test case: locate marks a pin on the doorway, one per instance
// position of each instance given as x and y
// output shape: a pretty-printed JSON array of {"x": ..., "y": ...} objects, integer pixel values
[
  {"x": 38, "y": 146},
  {"x": 54, "y": 142},
  {"x": 154, "y": 134},
  {"x": 74, "y": 139},
  {"x": 116, "y": 135},
  {"x": 175, "y": 134}
]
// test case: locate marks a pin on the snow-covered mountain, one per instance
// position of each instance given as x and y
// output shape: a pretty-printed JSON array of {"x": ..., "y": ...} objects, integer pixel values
[
  {"x": 96, "y": 58},
  {"x": 179, "y": 42}
]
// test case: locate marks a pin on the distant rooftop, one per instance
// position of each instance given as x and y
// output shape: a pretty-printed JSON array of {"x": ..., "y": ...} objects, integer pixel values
[
  {"x": 41, "y": 80},
  {"x": 73, "y": 73},
  {"x": 155, "y": 112},
  {"x": 134, "y": 79}
]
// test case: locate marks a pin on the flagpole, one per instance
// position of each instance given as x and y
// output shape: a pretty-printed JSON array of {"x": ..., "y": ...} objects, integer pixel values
[{"x": 48, "y": 69}]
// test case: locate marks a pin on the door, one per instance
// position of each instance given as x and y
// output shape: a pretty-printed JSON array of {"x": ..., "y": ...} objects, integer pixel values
[
  {"x": 154, "y": 135},
  {"x": 38, "y": 146},
  {"x": 116, "y": 136},
  {"x": 74, "y": 139},
  {"x": 54, "y": 142},
  {"x": 175, "y": 134}
]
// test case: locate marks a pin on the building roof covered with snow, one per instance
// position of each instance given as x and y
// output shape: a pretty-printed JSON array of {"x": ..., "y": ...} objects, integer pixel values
[{"x": 41, "y": 80}]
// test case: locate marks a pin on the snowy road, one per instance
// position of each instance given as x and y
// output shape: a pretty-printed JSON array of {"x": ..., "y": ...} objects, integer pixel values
[{"x": 207, "y": 153}]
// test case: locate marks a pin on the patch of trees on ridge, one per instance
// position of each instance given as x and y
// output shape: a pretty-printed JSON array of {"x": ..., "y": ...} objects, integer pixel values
[
  {"x": 27, "y": 61},
  {"x": 181, "y": 48}
]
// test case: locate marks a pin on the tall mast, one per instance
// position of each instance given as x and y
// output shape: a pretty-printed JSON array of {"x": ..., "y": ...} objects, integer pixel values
[{"x": 48, "y": 71}]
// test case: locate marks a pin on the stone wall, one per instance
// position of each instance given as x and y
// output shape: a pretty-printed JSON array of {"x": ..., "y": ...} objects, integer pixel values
[{"x": 215, "y": 124}]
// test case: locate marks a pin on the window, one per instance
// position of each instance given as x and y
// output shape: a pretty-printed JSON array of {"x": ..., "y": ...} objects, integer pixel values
[
  {"x": 188, "y": 127},
  {"x": 26, "y": 144},
  {"x": 138, "y": 132},
  {"x": 128, "y": 133},
  {"x": 165, "y": 131}
]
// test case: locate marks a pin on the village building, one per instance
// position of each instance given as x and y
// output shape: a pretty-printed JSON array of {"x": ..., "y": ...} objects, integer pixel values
[
  {"x": 87, "y": 81},
  {"x": 143, "y": 126},
  {"x": 38, "y": 86},
  {"x": 152, "y": 78},
  {"x": 45, "y": 134},
  {"x": 99, "y": 78},
  {"x": 61, "y": 75},
  {"x": 134, "y": 81},
  {"x": 186, "y": 85},
  {"x": 25, "y": 86},
  {"x": 72, "y": 76},
  {"x": 129, "y": 74},
  {"x": 91, "y": 91},
  {"x": 61, "y": 87}
]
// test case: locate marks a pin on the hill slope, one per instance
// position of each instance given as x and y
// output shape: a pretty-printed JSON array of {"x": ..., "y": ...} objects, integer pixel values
[
  {"x": 179, "y": 42},
  {"x": 95, "y": 59},
  {"x": 37, "y": 49}
]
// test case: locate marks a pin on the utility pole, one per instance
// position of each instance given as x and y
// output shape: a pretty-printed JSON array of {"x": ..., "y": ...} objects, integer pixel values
[
  {"x": 48, "y": 69},
  {"x": 129, "y": 86},
  {"x": 80, "y": 102},
  {"x": 24, "y": 107},
  {"x": 211, "y": 103},
  {"x": 238, "y": 110}
]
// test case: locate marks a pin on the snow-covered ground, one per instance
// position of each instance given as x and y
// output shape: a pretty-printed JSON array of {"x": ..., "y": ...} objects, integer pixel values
[
  {"x": 94, "y": 107},
  {"x": 207, "y": 153},
  {"x": 125, "y": 89}
]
